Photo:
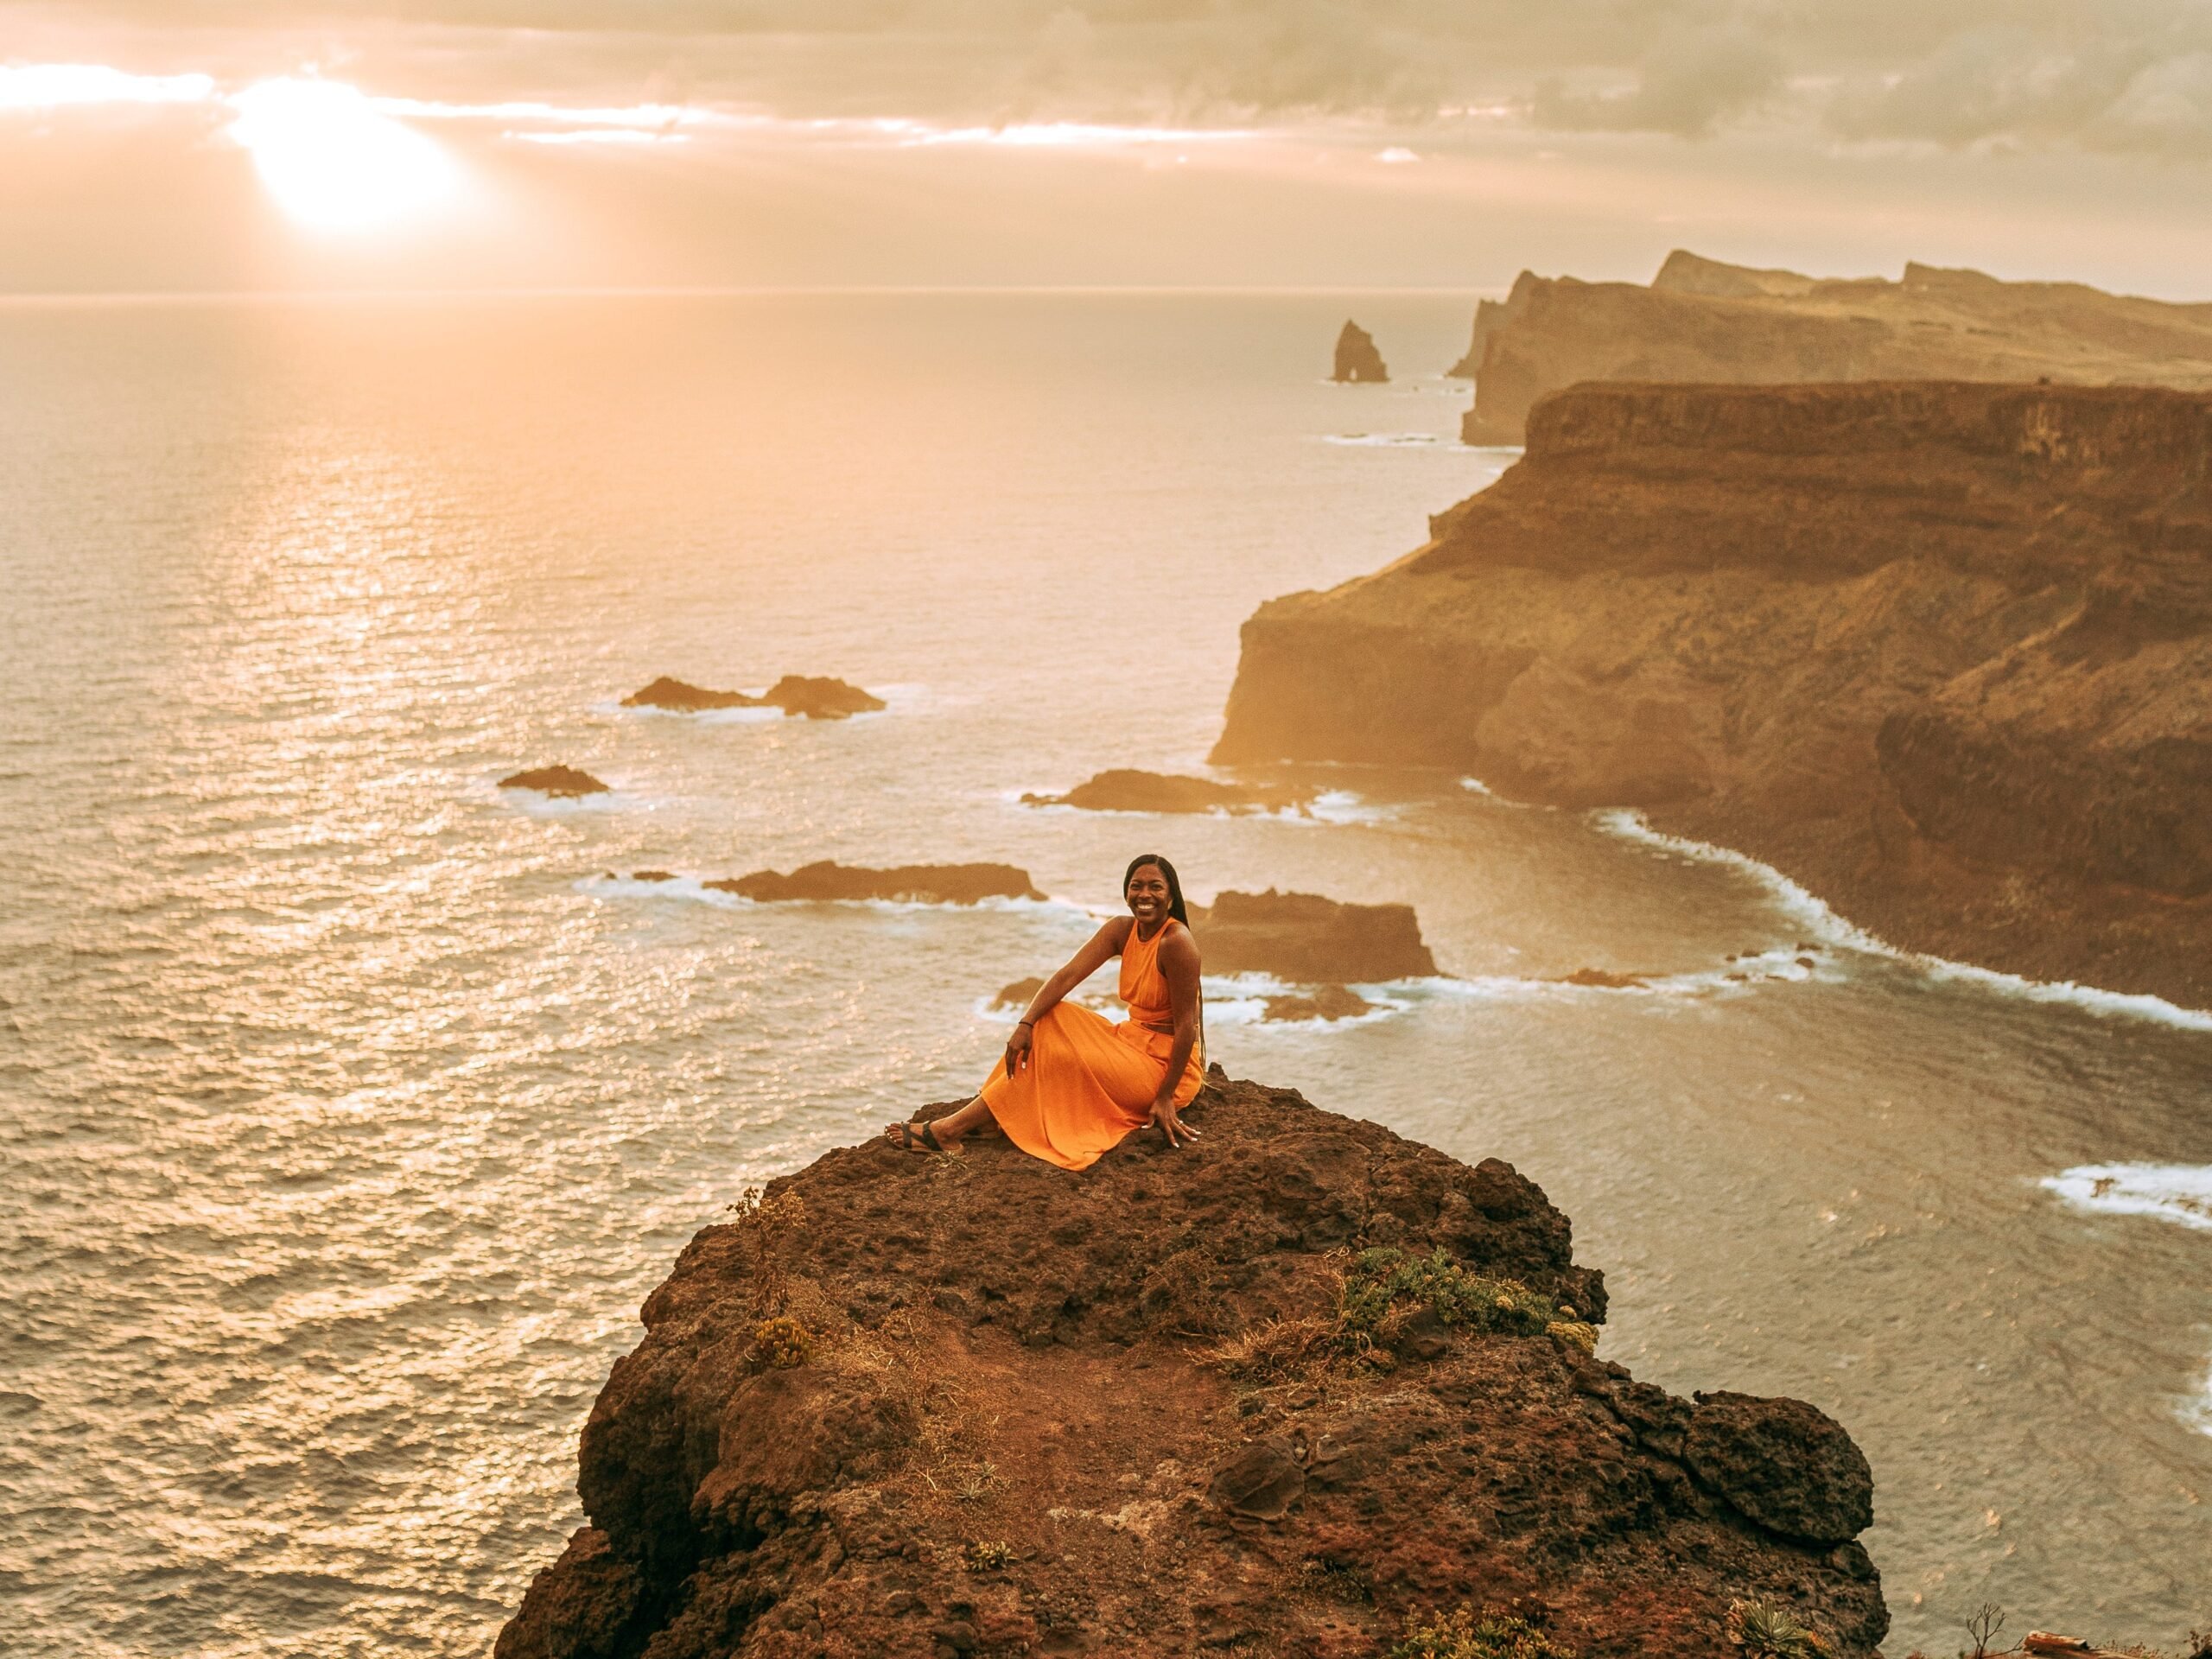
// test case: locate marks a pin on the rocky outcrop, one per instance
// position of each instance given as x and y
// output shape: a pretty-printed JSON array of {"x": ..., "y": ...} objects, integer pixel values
[
  {"x": 911, "y": 1406},
  {"x": 1306, "y": 938},
  {"x": 1700, "y": 320},
  {"x": 561, "y": 783},
  {"x": 1124, "y": 789},
  {"x": 1358, "y": 359},
  {"x": 1942, "y": 653},
  {"x": 922, "y": 884},
  {"x": 814, "y": 698}
]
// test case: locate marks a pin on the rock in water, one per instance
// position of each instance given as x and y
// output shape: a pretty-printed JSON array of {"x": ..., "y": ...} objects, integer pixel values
[
  {"x": 1604, "y": 980},
  {"x": 1123, "y": 1413},
  {"x": 925, "y": 884},
  {"x": 795, "y": 694},
  {"x": 1124, "y": 789},
  {"x": 562, "y": 783},
  {"x": 681, "y": 697},
  {"x": 1357, "y": 358},
  {"x": 1701, "y": 320},
  {"x": 1018, "y": 995},
  {"x": 821, "y": 699},
  {"x": 1324, "y": 1002},
  {"x": 1308, "y": 939},
  {"x": 1939, "y": 652}
]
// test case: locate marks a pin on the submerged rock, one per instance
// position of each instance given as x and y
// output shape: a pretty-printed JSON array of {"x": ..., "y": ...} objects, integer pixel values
[
  {"x": 1357, "y": 358},
  {"x": 1126, "y": 1413},
  {"x": 1125, "y": 789},
  {"x": 1308, "y": 939},
  {"x": 795, "y": 694},
  {"x": 926, "y": 884},
  {"x": 562, "y": 783}
]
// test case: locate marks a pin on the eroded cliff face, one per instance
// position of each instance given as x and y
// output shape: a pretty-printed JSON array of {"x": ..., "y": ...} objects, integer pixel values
[
  {"x": 1704, "y": 321},
  {"x": 1168, "y": 1406},
  {"x": 1941, "y": 653}
]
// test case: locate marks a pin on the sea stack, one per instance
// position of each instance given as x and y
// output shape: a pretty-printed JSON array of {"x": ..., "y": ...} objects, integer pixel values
[
  {"x": 1357, "y": 361},
  {"x": 1301, "y": 1394}
]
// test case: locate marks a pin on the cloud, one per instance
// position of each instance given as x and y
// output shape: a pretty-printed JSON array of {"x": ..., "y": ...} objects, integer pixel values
[
  {"x": 1688, "y": 84},
  {"x": 2121, "y": 76}
]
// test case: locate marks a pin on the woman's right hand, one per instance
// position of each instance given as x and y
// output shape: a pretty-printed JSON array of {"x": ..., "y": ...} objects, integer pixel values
[{"x": 1017, "y": 1048}]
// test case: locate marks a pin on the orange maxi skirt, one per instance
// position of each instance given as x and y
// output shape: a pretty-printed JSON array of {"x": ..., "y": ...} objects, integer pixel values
[{"x": 1087, "y": 1083}]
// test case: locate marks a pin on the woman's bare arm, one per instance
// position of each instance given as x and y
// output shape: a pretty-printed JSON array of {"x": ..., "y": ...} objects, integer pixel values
[
  {"x": 1101, "y": 948},
  {"x": 1179, "y": 966}
]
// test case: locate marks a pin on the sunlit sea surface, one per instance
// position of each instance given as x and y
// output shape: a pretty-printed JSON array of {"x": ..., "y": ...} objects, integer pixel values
[{"x": 347, "y": 1111}]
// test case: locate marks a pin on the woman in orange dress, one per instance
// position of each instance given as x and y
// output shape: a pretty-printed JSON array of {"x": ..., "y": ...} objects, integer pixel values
[{"x": 1074, "y": 1083}]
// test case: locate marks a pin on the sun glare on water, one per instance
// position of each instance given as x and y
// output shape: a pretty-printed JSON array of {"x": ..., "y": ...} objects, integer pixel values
[{"x": 335, "y": 164}]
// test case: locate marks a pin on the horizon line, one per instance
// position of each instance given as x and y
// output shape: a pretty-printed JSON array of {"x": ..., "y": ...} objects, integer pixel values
[{"x": 235, "y": 295}]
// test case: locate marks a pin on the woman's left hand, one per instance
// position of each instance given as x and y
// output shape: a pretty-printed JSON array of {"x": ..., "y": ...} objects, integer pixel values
[{"x": 1169, "y": 1122}]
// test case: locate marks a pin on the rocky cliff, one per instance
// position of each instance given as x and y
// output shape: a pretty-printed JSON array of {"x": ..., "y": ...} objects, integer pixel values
[
  {"x": 1705, "y": 321},
  {"x": 1288, "y": 1390},
  {"x": 1941, "y": 653}
]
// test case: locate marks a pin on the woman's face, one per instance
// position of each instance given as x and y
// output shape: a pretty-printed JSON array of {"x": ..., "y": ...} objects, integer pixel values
[{"x": 1147, "y": 895}]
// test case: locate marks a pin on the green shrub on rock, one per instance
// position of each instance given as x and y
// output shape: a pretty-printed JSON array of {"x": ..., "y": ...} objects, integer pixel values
[
  {"x": 1387, "y": 1285},
  {"x": 1460, "y": 1635}
]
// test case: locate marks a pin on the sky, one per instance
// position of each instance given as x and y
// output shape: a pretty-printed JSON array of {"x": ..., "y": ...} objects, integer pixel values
[{"x": 228, "y": 145}]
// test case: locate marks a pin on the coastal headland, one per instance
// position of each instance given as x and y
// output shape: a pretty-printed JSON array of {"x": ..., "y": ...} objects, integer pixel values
[
  {"x": 1703, "y": 321},
  {"x": 1941, "y": 653},
  {"x": 1297, "y": 1389}
]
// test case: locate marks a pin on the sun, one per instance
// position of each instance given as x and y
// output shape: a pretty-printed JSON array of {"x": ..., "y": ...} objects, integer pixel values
[{"x": 335, "y": 162}]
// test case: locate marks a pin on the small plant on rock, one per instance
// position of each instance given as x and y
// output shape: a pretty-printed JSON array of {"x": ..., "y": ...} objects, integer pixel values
[
  {"x": 780, "y": 1343},
  {"x": 1386, "y": 1285},
  {"x": 981, "y": 1557},
  {"x": 764, "y": 1226},
  {"x": 1988, "y": 1619},
  {"x": 1761, "y": 1630},
  {"x": 1278, "y": 1349},
  {"x": 1461, "y": 1634}
]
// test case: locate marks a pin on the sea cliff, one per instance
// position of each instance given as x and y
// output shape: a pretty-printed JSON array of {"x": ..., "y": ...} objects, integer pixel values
[
  {"x": 1291, "y": 1389},
  {"x": 1701, "y": 320},
  {"x": 1939, "y": 651}
]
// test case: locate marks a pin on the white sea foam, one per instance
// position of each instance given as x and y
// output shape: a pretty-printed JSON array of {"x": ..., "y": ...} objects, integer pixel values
[
  {"x": 683, "y": 888},
  {"x": 1335, "y": 806},
  {"x": 1476, "y": 786},
  {"x": 2181, "y": 1193},
  {"x": 2198, "y": 1413},
  {"x": 537, "y": 804},
  {"x": 1383, "y": 440},
  {"x": 1814, "y": 916},
  {"x": 613, "y": 708}
]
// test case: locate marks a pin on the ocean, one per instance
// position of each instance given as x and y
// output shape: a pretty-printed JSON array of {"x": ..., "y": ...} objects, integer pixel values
[{"x": 350, "y": 1106}]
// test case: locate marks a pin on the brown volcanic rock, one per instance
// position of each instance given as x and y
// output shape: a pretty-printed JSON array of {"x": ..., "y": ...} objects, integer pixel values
[
  {"x": 680, "y": 696},
  {"x": 1005, "y": 1438},
  {"x": 926, "y": 884},
  {"x": 1358, "y": 359},
  {"x": 1123, "y": 788},
  {"x": 821, "y": 699},
  {"x": 795, "y": 694},
  {"x": 1706, "y": 322},
  {"x": 1942, "y": 653},
  {"x": 1306, "y": 938},
  {"x": 562, "y": 783}
]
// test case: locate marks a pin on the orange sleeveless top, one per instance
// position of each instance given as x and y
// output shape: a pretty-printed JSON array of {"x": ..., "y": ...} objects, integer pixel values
[{"x": 1143, "y": 986}]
